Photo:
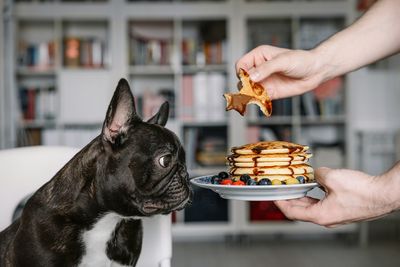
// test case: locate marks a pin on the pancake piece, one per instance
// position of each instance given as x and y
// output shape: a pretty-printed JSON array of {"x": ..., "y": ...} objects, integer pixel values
[{"x": 249, "y": 93}]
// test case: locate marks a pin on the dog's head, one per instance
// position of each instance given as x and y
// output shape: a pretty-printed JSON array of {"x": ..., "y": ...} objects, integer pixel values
[{"x": 144, "y": 171}]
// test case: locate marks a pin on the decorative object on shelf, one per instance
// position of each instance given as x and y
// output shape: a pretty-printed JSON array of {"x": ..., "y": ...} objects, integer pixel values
[{"x": 262, "y": 211}]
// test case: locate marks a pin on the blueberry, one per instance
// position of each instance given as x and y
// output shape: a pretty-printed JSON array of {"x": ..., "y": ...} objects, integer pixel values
[
  {"x": 245, "y": 177},
  {"x": 301, "y": 179},
  {"x": 215, "y": 179},
  {"x": 264, "y": 181},
  {"x": 223, "y": 175},
  {"x": 251, "y": 182}
]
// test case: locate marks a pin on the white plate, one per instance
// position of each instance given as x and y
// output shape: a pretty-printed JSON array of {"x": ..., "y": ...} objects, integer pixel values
[{"x": 255, "y": 192}]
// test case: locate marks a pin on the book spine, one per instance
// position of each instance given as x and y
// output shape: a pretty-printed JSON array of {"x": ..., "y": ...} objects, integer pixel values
[
  {"x": 30, "y": 112},
  {"x": 187, "y": 98},
  {"x": 201, "y": 98}
]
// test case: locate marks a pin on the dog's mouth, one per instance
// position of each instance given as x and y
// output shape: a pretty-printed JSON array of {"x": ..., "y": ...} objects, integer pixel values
[{"x": 177, "y": 196}]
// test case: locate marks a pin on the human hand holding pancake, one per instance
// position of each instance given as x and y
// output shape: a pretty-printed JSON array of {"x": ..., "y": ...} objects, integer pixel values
[
  {"x": 284, "y": 72},
  {"x": 350, "y": 196}
]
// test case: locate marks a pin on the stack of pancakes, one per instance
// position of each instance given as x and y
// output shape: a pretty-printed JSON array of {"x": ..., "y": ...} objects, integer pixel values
[{"x": 273, "y": 160}]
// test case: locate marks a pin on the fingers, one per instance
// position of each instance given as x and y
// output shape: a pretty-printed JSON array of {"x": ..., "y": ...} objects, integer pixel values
[
  {"x": 258, "y": 56},
  {"x": 247, "y": 61},
  {"x": 262, "y": 71},
  {"x": 301, "y": 202},
  {"x": 304, "y": 209}
]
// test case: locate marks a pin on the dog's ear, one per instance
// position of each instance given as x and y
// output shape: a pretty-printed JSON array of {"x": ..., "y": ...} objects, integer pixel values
[
  {"x": 161, "y": 117},
  {"x": 120, "y": 113}
]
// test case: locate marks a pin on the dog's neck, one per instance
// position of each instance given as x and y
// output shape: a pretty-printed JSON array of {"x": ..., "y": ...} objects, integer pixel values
[{"x": 73, "y": 189}]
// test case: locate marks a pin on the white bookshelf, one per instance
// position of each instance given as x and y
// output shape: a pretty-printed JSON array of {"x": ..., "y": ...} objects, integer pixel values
[{"x": 114, "y": 19}]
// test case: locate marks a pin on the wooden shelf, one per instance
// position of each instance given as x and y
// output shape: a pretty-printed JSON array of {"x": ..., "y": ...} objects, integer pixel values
[
  {"x": 36, "y": 71},
  {"x": 204, "y": 124},
  {"x": 38, "y": 124},
  {"x": 190, "y": 69},
  {"x": 323, "y": 120},
  {"x": 201, "y": 171},
  {"x": 273, "y": 120},
  {"x": 149, "y": 70}
]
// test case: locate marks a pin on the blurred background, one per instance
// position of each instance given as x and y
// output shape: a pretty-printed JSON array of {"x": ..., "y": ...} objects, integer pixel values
[{"x": 60, "y": 62}]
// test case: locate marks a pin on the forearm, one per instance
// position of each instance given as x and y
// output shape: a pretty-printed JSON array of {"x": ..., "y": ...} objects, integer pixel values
[{"x": 374, "y": 36}]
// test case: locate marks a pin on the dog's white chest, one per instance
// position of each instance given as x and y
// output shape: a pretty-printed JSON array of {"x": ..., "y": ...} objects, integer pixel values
[{"x": 95, "y": 242}]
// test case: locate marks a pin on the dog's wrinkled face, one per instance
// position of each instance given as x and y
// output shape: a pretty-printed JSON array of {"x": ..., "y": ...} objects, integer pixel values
[{"x": 145, "y": 170}]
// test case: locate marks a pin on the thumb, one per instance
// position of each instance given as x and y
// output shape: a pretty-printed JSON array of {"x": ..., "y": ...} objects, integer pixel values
[{"x": 321, "y": 175}]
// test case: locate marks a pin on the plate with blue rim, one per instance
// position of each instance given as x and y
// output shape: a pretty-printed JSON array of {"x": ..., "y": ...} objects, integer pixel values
[{"x": 255, "y": 192}]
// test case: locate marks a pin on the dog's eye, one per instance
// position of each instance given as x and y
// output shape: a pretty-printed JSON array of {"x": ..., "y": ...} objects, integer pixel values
[{"x": 165, "y": 160}]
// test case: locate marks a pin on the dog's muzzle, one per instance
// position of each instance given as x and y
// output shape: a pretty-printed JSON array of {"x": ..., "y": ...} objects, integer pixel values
[{"x": 176, "y": 196}]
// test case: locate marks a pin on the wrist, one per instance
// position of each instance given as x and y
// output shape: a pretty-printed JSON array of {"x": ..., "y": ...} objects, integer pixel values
[
  {"x": 390, "y": 189},
  {"x": 326, "y": 65}
]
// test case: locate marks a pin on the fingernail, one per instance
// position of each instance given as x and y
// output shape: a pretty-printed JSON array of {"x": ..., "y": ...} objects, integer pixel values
[{"x": 254, "y": 75}]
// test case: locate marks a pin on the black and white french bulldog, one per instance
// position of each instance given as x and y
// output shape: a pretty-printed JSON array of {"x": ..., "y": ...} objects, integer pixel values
[{"x": 89, "y": 213}]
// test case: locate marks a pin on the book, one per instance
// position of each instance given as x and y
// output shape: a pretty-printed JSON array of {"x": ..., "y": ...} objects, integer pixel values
[
  {"x": 202, "y": 97},
  {"x": 36, "y": 55},
  {"x": 31, "y": 102},
  {"x": 191, "y": 136},
  {"x": 150, "y": 43},
  {"x": 38, "y": 102},
  {"x": 201, "y": 100},
  {"x": 186, "y": 113},
  {"x": 216, "y": 86}
]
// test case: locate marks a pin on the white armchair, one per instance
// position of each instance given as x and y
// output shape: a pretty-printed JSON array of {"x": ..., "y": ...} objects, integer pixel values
[{"x": 24, "y": 170}]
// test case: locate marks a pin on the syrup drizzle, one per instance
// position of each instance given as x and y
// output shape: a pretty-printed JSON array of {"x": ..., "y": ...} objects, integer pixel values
[{"x": 293, "y": 153}]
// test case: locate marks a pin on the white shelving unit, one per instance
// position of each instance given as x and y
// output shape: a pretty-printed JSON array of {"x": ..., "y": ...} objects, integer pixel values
[{"x": 116, "y": 18}]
